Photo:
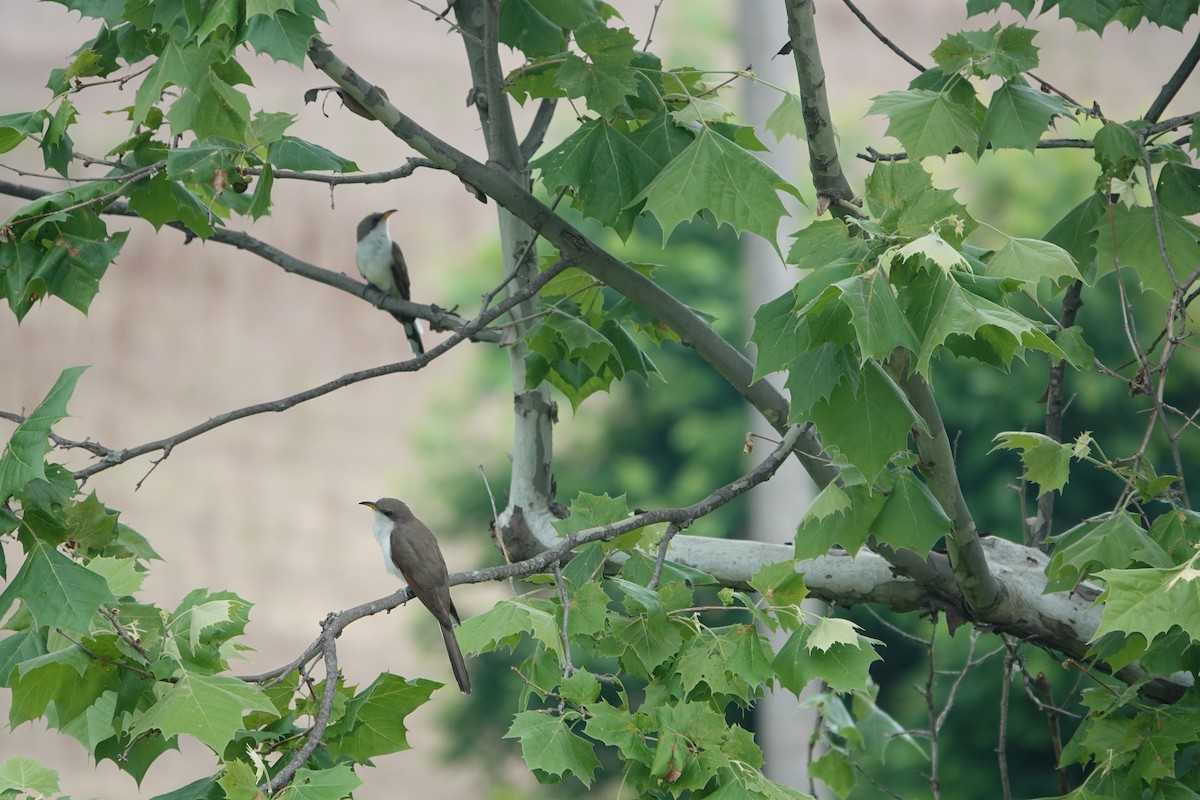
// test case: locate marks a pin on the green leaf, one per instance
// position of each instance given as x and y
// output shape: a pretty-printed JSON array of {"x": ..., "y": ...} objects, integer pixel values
[
  {"x": 330, "y": 783},
  {"x": 1047, "y": 462},
  {"x": 605, "y": 171},
  {"x": 620, "y": 729},
  {"x": 123, "y": 577},
  {"x": 825, "y": 243},
  {"x": 27, "y": 776},
  {"x": 208, "y": 707},
  {"x": 25, "y": 455},
  {"x": 1076, "y": 232},
  {"x": 373, "y": 723},
  {"x": 1150, "y": 601},
  {"x": 1136, "y": 245},
  {"x": 941, "y": 311},
  {"x": 834, "y": 769},
  {"x": 787, "y": 119},
  {"x": 1178, "y": 189},
  {"x": 1116, "y": 148},
  {"x": 524, "y": 27},
  {"x": 1018, "y": 115},
  {"x": 813, "y": 375},
  {"x": 283, "y": 35},
  {"x": 1117, "y": 542},
  {"x": 901, "y": 197},
  {"x": 211, "y": 107},
  {"x": 845, "y": 667},
  {"x": 715, "y": 174},
  {"x": 160, "y": 200},
  {"x": 1094, "y": 14},
  {"x": 877, "y": 319},
  {"x": 551, "y": 747},
  {"x": 56, "y": 591},
  {"x": 929, "y": 123},
  {"x": 849, "y": 528},
  {"x": 1003, "y": 53},
  {"x": 297, "y": 154},
  {"x": 869, "y": 423},
  {"x": 777, "y": 334},
  {"x": 15, "y": 127},
  {"x": 779, "y": 584},
  {"x": 503, "y": 624},
  {"x": 911, "y": 517},
  {"x": 1030, "y": 260},
  {"x": 605, "y": 79}
]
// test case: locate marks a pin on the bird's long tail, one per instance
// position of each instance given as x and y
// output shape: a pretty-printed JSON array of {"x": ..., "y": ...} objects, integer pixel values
[
  {"x": 412, "y": 329},
  {"x": 456, "y": 660}
]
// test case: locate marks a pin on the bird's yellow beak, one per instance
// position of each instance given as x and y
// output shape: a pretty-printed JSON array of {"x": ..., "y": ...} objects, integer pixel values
[
  {"x": 389, "y": 212},
  {"x": 369, "y": 504}
]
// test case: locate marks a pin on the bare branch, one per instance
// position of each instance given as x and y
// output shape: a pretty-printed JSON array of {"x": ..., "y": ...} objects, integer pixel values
[
  {"x": 165, "y": 445},
  {"x": 1175, "y": 83},
  {"x": 883, "y": 39}
]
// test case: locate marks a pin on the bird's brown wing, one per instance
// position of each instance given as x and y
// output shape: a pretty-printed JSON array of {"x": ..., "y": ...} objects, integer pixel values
[
  {"x": 400, "y": 273},
  {"x": 415, "y": 551}
]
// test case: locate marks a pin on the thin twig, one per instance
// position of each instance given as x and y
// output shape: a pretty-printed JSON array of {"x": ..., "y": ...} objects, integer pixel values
[
  {"x": 567, "y": 667},
  {"x": 166, "y": 444},
  {"x": 1002, "y": 736},
  {"x": 883, "y": 39},
  {"x": 1174, "y": 83},
  {"x": 663, "y": 544}
]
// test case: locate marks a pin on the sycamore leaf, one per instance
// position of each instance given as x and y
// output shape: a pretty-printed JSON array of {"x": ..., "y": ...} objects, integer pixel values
[
  {"x": 830, "y": 631},
  {"x": 934, "y": 248},
  {"x": 551, "y": 747},
  {"x": 715, "y": 174},
  {"x": 25, "y": 455},
  {"x": 1018, "y": 115},
  {"x": 877, "y": 319},
  {"x": 502, "y": 625},
  {"x": 845, "y": 667},
  {"x": 848, "y": 529},
  {"x": 1005, "y": 52},
  {"x": 605, "y": 78},
  {"x": 605, "y": 171},
  {"x": 929, "y": 123},
  {"x": 208, "y": 707},
  {"x": 788, "y": 118},
  {"x": 1150, "y": 601},
  {"x": 1117, "y": 542},
  {"x": 1047, "y": 462},
  {"x": 328, "y": 783},
  {"x": 869, "y": 423},
  {"x": 25, "y": 775},
  {"x": 56, "y": 591},
  {"x": 1136, "y": 245},
  {"x": 373, "y": 723},
  {"x": 911, "y": 517},
  {"x": 1030, "y": 260},
  {"x": 620, "y": 729}
]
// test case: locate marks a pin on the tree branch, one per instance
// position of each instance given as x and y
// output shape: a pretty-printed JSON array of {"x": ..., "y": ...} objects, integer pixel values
[
  {"x": 982, "y": 592},
  {"x": 1175, "y": 83},
  {"x": 438, "y": 318},
  {"x": 114, "y": 457},
  {"x": 823, "y": 161},
  {"x": 883, "y": 39}
]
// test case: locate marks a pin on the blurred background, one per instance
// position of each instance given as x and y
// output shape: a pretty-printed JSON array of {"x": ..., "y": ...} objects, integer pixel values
[{"x": 180, "y": 333}]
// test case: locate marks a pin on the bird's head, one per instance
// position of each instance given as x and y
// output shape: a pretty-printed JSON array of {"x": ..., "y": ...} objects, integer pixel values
[
  {"x": 389, "y": 507},
  {"x": 373, "y": 221}
]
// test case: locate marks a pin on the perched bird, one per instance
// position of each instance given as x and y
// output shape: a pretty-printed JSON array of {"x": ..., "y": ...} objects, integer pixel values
[
  {"x": 411, "y": 553},
  {"x": 382, "y": 264}
]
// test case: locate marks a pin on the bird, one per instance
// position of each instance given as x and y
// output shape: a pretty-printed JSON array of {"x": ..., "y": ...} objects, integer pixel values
[
  {"x": 411, "y": 553},
  {"x": 381, "y": 263}
]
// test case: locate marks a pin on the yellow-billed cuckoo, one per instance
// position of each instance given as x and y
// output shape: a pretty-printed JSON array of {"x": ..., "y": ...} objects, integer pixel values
[
  {"x": 411, "y": 553},
  {"x": 382, "y": 264}
]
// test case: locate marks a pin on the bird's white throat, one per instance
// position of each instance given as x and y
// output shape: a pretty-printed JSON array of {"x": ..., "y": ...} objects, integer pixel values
[
  {"x": 383, "y": 534},
  {"x": 373, "y": 254}
]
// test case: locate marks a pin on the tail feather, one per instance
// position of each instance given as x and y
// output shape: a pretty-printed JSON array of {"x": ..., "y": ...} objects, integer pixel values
[
  {"x": 412, "y": 329},
  {"x": 457, "y": 663}
]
